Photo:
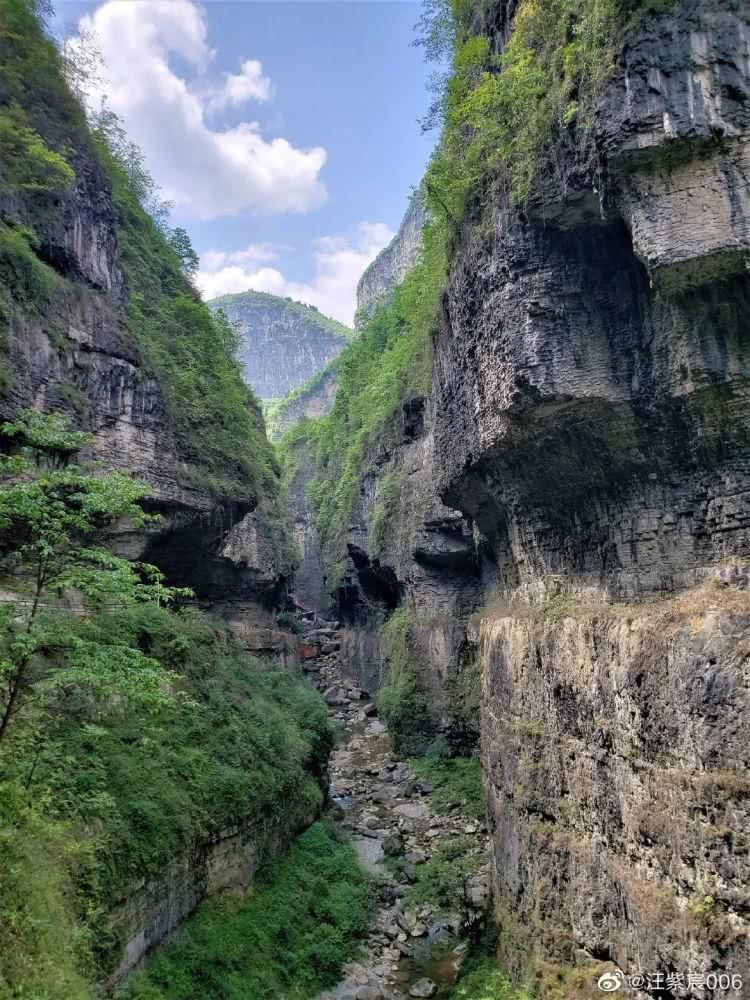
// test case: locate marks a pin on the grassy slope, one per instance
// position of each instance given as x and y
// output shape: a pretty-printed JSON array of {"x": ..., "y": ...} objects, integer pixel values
[
  {"x": 102, "y": 801},
  {"x": 290, "y": 939}
]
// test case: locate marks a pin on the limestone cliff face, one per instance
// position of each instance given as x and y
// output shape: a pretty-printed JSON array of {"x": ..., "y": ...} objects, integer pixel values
[
  {"x": 72, "y": 353},
  {"x": 310, "y": 590},
  {"x": 285, "y": 342},
  {"x": 406, "y": 548},
  {"x": 615, "y": 751},
  {"x": 591, "y": 386},
  {"x": 311, "y": 401},
  {"x": 149, "y": 911},
  {"x": 393, "y": 262}
]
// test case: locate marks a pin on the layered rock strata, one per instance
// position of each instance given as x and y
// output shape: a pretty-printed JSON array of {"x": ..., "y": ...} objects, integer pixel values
[
  {"x": 591, "y": 387},
  {"x": 285, "y": 342},
  {"x": 72, "y": 353},
  {"x": 393, "y": 263},
  {"x": 406, "y": 548}
]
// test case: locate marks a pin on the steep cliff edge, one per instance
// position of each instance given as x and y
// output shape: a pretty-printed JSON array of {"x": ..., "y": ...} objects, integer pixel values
[
  {"x": 580, "y": 468},
  {"x": 312, "y": 400},
  {"x": 591, "y": 378},
  {"x": 285, "y": 343},
  {"x": 406, "y": 550},
  {"x": 147, "y": 760},
  {"x": 101, "y": 322},
  {"x": 393, "y": 263}
]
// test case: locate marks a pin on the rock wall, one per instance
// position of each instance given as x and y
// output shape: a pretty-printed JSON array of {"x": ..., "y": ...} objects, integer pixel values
[
  {"x": 393, "y": 262},
  {"x": 285, "y": 342},
  {"x": 406, "y": 548},
  {"x": 72, "y": 353},
  {"x": 591, "y": 385},
  {"x": 310, "y": 591},
  {"x": 615, "y": 747},
  {"x": 150, "y": 910},
  {"x": 311, "y": 403}
]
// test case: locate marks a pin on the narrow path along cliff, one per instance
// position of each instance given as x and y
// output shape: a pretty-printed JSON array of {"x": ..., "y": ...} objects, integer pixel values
[{"x": 415, "y": 946}]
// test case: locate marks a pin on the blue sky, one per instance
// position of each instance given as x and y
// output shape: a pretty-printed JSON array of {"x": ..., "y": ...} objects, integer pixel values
[{"x": 285, "y": 131}]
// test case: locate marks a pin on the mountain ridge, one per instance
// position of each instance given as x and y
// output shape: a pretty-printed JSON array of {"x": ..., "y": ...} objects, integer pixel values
[{"x": 285, "y": 342}]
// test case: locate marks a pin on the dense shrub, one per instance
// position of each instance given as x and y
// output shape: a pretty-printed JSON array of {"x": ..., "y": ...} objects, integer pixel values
[
  {"x": 289, "y": 939},
  {"x": 484, "y": 980},
  {"x": 456, "y": 783},
  {"x": 401, "y": 701},
  {"x": 43, "y": 954},
  {"x": 240, "y": 742},
  {"x": 505, "y": 113},
  {"x": 243, "y": 740},
  {"x": 444, "y": 881}
]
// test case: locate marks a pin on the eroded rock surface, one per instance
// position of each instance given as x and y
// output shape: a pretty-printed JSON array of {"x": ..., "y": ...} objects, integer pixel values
[
  {"x": 285, "y": 342},
  {"x": 393, "y": 263},
  {"x": 591, "y": 385},
  {"x": 405, "y": 547}
]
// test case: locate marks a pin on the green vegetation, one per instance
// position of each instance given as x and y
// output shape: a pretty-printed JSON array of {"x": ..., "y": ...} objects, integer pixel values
[
  {"x": 129, "y": 732},
  {"x": 401, "y": 702},
  {"x": 44, "y": 953},
  {"x": 457, "y": 784},
  {"x": 483, "y": 980},
  {"x": 52, "y": 516},
  {"x": 506, "y": 114},
  {"x": 444, "y": 882},
  {"x": 108, "y": 794},
  {"x": 218, "y": 420},
  {"x": 385, "y": 509},
  {"x": 389, "y": 361},
  {"x": 43, "y": 136},
  {"x": 274, "y": 409},
  {"x": 290, "y": 939},
  {"x": 27, "y": 164},
  {"x": 25, "y": 280},
  {"x": 34, "y": 171}
]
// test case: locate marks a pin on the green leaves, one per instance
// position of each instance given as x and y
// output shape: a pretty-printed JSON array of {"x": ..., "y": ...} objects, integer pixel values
[
  {"x": 289, "y": 939},
  {"x": 52, "y": 515},
  {"x": 503, "y": 114},
  {"x": 27, "y": 165},
  {"x": 389, "y": 360}
]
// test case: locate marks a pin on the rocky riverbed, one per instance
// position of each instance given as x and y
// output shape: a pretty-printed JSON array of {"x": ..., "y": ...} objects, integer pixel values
[{"x": 411, "y": 950}]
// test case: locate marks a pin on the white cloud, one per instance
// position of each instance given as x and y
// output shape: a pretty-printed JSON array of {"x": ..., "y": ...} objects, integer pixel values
[
  {"x": 206, "y": 172},
  {"x": 213, "y": 260},
  {"x": 339, "y": 263},
  {"x": 238, "y": 88}
]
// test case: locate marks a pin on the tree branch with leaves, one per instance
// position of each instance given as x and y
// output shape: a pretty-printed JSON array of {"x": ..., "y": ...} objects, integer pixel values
[{"x": 53, "y": 517}]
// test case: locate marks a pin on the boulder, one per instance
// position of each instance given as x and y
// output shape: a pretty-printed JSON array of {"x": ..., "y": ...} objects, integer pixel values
[
  {"x": 334, "y": 696},
  {"x": 423, "y": 988},
  {"x": 393, "y": 845},
  {"x": 308, "y": 650}
]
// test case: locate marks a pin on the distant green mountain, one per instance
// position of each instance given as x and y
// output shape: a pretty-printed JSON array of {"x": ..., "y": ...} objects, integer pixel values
[{"x": 286, "y": 342}]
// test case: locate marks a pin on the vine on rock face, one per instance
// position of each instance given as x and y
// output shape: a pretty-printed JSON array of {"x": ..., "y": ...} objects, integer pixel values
[{"x": 506, "y": 107}]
